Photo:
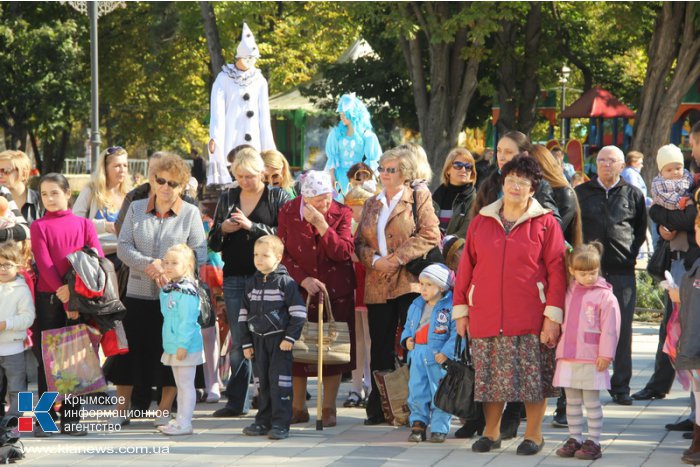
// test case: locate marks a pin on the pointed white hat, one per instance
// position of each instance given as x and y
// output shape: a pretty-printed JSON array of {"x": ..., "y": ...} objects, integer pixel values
[{"x": 247, "y": 47}]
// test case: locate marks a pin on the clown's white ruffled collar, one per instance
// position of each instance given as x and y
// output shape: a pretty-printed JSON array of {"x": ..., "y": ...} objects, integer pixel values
[{"x": 242, "y": 78}]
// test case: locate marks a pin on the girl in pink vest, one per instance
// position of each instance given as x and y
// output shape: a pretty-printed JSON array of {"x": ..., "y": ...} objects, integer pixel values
[{"x": 587, "y": 346}]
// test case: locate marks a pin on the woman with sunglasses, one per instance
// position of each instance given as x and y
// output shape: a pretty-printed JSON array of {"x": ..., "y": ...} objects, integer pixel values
[
  {"x": 455, "y": 194},
  {"x": 102, "y": 198},
  {"x": 15, "y": 167},
  {"x": 389, "y": 236},
  {"x": 151, "y": 226}
]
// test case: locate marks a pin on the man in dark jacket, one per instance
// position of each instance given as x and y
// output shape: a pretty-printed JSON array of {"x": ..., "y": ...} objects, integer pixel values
[{"x": 614, "y": 213}]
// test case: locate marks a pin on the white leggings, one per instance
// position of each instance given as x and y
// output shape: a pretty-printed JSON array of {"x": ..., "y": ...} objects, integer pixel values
[
  {"x": 575, "y": 400},
  {"x": 361, "y": 375},
  {"x": 186, "y": 394},
  {"x": 212, "y": 382}
]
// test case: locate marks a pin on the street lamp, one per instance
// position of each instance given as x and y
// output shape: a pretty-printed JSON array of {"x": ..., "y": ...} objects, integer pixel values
[
  {"x": 94, "y": 10},
  {"x": 563, "y": 79}
]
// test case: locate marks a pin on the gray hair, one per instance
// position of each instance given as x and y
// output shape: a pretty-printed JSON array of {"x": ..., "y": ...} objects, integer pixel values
[
  {"x": 613, "y": 150},
  {"x": 407, "y": 162}
]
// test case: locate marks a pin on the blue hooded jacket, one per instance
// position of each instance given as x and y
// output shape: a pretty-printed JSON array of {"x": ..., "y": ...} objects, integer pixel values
[{"x": 442, "y": 332}]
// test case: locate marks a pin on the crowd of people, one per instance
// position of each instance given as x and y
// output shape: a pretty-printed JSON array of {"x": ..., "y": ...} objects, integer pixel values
[{"x": 535, "y": 270}]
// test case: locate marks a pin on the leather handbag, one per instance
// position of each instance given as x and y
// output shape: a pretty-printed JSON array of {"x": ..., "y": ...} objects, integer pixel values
[
  {"x": 434, "y": 255},
  {"x": 336, "y": 339},
  {"x": 660, "y": 260},
  {"x": 455, "y": 393}
]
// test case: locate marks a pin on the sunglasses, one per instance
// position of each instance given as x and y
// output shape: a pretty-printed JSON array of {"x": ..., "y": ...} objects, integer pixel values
[
  {"x": 462, "y": 165},
  {"x": 7, "y": 172},
  {"x": 389, "y": 170},
  {"x": 111, "y": 150},
  {"x": 171, "y": 184}
]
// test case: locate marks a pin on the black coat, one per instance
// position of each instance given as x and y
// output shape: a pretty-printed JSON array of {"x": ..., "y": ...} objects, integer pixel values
[
  {"x": 688, "y": 357},
  {"x": 617, "y": 219},
  {"x": 565, "y": 197},
  {"x": 461, "y": 210}
]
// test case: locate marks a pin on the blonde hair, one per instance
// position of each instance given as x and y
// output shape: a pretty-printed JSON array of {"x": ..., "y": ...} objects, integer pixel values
[
  {"x": 187, "y": 254},
  {"x": 451, "y": 156},
  {"x": 551, "y": 170},
  {"x": 272, "y": 241},
  {"x": 173, "y": 164},
  {"x": 423, "y": 169},
  {"x": 99, "y": 179},
  {"x": 248, "y": 159},
  {"x": 13, "y": 251},
  {"x": 406, "y": 159},
  {"x": 276, "y": 160},
  {"x": 633, "y": 156},
  {"x": 586, "y": 257},
  {"x": 20, "y": 162}
]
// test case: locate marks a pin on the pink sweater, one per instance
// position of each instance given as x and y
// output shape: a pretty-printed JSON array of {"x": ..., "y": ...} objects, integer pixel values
[
  {"x": 54, "y": 237},
  {"x": 591, "y": 323}
]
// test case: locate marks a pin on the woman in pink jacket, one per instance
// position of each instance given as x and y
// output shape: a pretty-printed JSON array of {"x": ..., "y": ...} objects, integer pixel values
[{"x": 589, "y": 338}]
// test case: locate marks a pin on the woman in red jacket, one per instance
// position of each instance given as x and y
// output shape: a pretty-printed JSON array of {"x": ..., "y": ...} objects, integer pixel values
[
  {"x": 509, "y": 298},
  {"x": 318, "y": 249}
]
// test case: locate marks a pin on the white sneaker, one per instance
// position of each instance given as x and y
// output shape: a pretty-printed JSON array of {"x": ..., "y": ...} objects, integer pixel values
[
  {"x": 161, "y": 421},
  {"x": 213, "y": 398},
  {"x": 175, "y": 429}
]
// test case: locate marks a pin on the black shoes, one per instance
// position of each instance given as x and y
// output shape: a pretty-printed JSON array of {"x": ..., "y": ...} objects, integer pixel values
[
  {"x": 559, "y": 419},
  {"x": 374, "y": 421},
  {"x": 255, "y": 430},
  {"x": 470, "y": 428},
  {"x": 647, "y": 394},
  {"x": 621, "y": 398},
  {"x": 278, "y": 432},
  {"x": 529, "y": 448},
  {"x": 485, "y": 444},
  {"x": 509, "y": 427},
  {"x": 417, "y": 432},
  {"x": 227, "y": 412},
  {"x": 685, "y": 425}
]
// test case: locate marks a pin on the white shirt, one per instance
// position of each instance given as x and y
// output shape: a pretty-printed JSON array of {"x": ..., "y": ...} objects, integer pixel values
[{"x": 383, "y": 219}]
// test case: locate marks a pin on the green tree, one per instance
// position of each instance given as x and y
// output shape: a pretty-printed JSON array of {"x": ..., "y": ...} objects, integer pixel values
[{"x": 43, "y": 78}]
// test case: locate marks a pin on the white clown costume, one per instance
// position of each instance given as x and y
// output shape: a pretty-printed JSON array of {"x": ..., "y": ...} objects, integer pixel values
[{"x": 240, "y": 110}]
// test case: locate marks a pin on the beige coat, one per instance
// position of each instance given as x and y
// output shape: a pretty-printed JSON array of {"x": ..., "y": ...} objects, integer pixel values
[{"x": 380, "y": 287}]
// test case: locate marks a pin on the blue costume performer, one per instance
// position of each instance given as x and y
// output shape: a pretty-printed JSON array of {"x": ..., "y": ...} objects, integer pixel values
[{"x": 351, "y": 141}]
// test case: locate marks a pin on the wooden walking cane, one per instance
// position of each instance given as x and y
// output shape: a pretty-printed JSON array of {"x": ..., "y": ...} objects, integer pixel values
[{"x": 319, "y": 371}]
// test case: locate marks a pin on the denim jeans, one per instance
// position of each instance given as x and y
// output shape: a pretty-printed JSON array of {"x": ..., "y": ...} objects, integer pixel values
[{"x": 238, "y": 382}]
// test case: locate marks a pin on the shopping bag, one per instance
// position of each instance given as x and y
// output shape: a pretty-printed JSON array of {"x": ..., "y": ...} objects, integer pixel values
[
  {"x": 71, "y": 364},
  {"x": 393, "y": 392},
  {"x": 455, "y": 393},
  {"x": 336, "y": 339}
]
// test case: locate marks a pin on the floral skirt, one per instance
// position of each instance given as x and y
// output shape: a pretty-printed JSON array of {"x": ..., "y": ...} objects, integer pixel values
[{"x": 513, "y": 368}]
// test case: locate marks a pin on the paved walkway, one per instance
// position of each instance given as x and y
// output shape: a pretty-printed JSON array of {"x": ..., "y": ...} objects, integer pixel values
[{"x": 632, "y": 436}]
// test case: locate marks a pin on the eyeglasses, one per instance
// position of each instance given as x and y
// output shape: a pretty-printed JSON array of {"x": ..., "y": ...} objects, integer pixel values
[
  {"x": 514, "y": 182},
  {"x": 389, "y": 170},
  {"x": 7, "y": 266},
  {"x": 462, "y": 165},
  {"x": 171, "y": 184},
  {"x": 607, "y": 161},
  {"x": 111, "y": 150},
  {"x": 7, "y": 172}
]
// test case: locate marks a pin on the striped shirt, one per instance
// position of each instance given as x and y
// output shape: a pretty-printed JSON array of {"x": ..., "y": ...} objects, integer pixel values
[{"x": 20, "y": 230}]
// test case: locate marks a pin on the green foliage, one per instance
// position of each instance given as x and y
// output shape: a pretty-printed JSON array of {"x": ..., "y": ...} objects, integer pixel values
[
  {"x": 649, "y": 295},
  {"x": 44, "y": 83}
]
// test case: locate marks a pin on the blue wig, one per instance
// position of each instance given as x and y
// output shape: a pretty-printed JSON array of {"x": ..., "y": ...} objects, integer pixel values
[{"x": 356, "y": 112}]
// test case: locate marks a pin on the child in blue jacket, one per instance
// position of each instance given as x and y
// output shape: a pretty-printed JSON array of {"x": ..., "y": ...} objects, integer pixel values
[
  {"x": 429, "y": 335},
  {"x": 182, "y": 337}
]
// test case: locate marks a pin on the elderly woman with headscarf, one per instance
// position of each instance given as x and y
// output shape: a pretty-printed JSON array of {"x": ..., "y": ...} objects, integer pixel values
[
  {"x": 317, "y": 235},
  {"x": 351, "y": 141}
]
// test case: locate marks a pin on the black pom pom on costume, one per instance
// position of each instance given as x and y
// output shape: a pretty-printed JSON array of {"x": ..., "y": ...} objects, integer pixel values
[
  {"x": 246, "y": 96},
  {"x": 248, "y": 137},
  {"x": 250, "y": 114}
]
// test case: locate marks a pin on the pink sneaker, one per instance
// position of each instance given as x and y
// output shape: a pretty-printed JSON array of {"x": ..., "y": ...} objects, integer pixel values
[
  {"x": 569, "y": 449},
  {"x": 589, "y": 451}
]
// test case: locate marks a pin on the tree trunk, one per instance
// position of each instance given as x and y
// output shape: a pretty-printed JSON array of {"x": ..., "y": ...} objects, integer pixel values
[
  {"x": 55, "y": 152},
  {"x": 674, "y": 52},
  {"x": 216, "y": 56},
  {"x": 441, "y": 99}
]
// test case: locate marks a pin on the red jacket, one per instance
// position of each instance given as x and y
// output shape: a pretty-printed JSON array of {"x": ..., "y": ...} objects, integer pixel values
[
  {"x": 327, "y": 258},
  {"x": 508, "y": 284}
]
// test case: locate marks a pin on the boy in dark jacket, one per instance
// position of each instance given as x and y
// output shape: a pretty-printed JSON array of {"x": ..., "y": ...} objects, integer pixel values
[{"x": 271, "y": 318}]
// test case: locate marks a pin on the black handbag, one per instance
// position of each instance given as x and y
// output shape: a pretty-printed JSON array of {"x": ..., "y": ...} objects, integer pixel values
[
  {"x": 455, "y": 393},
  {"x": 434, "y": 255},
  {"x": 660, "y": 261}
]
